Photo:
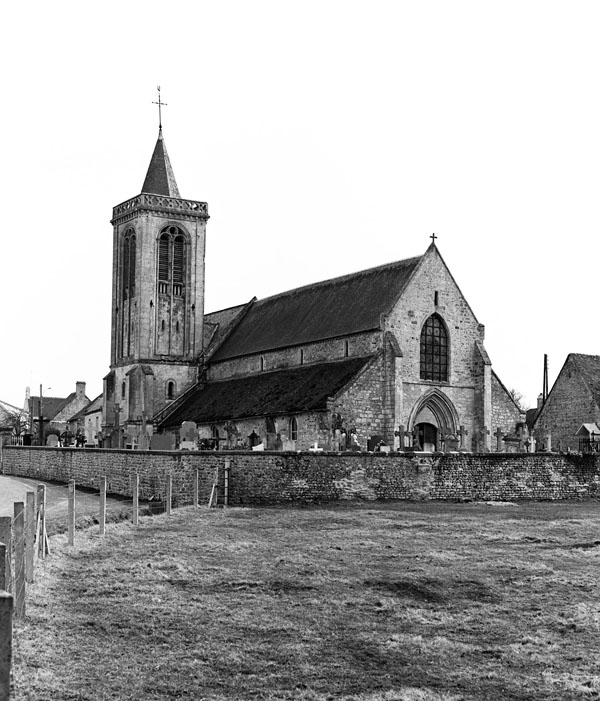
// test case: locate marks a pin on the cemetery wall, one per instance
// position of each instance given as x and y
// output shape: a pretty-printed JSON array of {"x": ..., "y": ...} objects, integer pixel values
[{"x": 279, "y": 478}]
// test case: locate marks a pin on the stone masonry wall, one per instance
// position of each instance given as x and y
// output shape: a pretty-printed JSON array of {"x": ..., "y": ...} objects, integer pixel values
[
  {"x": 279, "y": 478},
  {"x": 569, "y": 405},
  {"x": 356, "y": 345}
]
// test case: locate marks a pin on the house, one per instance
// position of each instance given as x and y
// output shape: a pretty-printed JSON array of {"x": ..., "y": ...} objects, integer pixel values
[
  {"x": 574, "y": 400},
  {"x": 55, "y": 411}
]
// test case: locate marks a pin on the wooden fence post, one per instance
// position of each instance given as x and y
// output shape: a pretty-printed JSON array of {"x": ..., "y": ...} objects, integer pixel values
[
  {"x": 136, "y": 499},
  {"x": 195, "y": 496},
  {"x": 226, "y": 482},
  {"x": 2, "y": 567},
  {"x": 41, "y": 535},
  {"x": 169, "y": 493},
  {"x": 71, "y": 514},
  {"x": 29, "y": 534},
  {"x": 19, "y": 536},
  {"x": 6, "y": 538},
  {"x": 6, "y": 610},
  {"x": 102, "y": 518}
]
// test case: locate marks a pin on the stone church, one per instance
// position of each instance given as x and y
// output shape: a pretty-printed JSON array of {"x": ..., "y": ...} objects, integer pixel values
[{"x": 402, "y": 366}]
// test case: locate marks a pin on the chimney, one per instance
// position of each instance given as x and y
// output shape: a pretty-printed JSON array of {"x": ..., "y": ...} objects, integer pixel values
[
  {"x": 540, "y": 401},
  {"x": 80, "y": 389}
]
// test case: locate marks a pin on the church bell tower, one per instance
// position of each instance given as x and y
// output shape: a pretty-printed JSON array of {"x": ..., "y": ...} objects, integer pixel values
[{"x": 157, "y": 302}]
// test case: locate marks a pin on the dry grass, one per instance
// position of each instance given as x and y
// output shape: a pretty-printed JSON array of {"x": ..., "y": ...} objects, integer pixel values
[{"x": 387, "y": 602}]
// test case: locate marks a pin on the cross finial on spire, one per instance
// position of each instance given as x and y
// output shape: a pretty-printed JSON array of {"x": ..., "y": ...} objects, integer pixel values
[
  {"x": 160, "y": 104},
  {"x": 433, "y": 237}
]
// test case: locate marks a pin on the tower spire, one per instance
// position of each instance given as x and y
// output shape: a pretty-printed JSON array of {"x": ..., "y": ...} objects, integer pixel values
[{"x": 160, "y": 179}]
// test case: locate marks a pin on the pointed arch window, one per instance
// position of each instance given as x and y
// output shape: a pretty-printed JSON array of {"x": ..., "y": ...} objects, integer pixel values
[
  {"x": 434, "y": 350},
  {"x": 293, "y": 429},
  {"x": 129, "y": 264},
  {"x": 171, "y": 261}
]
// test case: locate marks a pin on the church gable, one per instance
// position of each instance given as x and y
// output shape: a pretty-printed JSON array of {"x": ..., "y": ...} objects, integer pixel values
[{"x": 433, "y": 298}]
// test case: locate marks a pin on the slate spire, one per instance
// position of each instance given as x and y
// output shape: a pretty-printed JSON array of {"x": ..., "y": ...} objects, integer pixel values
[{"x": 160, "y": 179}]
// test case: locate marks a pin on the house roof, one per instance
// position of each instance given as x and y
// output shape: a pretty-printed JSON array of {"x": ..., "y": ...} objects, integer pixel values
[
  {"x": 589, "y": 369},
  {"x": 287, "y": 391},
  {"x": 338, "y": 307},
  {"x": 94, "y": 406},
  {"x": 160, "y": 179},
  {"x": 51, "y": 406},
  {"x": 588, "y": 430}
]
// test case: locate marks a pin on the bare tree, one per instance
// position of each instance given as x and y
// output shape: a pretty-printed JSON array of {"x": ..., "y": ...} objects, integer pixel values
[
  {"x": 13, "y": 420},
  {"x": 518, "y": 399}
]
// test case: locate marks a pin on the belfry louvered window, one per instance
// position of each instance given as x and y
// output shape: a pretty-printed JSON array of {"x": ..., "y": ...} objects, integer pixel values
[
  {"x": 171, "y": 261},
  {"x": 434, "y": 350},
  {"x": 129, "y": 264}
]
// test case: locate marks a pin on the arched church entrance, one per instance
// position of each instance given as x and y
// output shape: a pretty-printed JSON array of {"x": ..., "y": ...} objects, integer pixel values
[{"x": 434, "y": 421}]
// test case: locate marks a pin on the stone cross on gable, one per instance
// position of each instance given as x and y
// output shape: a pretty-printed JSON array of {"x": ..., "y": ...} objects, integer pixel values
[{"x": 499, "y": 436}]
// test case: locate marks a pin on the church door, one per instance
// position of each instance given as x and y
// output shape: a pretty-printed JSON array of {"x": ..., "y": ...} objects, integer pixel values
[{"x": 427, "y": 435}]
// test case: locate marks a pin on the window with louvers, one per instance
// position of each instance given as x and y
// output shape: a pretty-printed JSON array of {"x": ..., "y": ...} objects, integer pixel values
[
  {"x": 171, "y": 261},
  {"x": 434, "y": 350}
]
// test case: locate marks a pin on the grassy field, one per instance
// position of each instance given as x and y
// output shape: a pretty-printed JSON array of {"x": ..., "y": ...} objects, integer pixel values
[{"x": 377, "y": 602}]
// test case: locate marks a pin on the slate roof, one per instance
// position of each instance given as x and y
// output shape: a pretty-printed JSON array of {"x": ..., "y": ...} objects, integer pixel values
[
  {"x": 329, "y": 309},
  {"x": 589, "y": 369},
  {"x": 160, "y": 179},
  {"x": 51, "y": 406},
  {"x": 287, "y": 391}
]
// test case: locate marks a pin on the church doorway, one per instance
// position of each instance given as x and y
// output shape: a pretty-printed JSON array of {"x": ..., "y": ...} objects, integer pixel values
[
  {"x": 427, "y": 437},
  {"x": 432, "y": 420}
]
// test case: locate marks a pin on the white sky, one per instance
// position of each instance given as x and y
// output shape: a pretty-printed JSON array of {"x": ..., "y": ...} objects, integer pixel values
[{"x": 326, "y": 137}]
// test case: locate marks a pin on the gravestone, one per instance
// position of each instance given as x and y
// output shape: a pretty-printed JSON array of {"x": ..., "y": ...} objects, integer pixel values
[
  {"x": 162, "y": 441},
  {"x": 188, "y": 436},
  {"x": 373, "y": 443},
  {"x": 52, "y": 441}
]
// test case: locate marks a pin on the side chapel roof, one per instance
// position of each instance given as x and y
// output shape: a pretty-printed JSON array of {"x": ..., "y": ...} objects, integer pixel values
[
  {"x": 329, "y": 309},
  {"x": 291, "y": 390},
  {"x": 160, "y": 179}
]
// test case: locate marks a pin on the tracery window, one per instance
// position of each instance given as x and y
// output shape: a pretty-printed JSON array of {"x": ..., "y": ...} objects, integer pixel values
[
  {"x": 434, "y": 350},
  {"x": 171, "y": 261},
  {"x": 129, "y": 264}
]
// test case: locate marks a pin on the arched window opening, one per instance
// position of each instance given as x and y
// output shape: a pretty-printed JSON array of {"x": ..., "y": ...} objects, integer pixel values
[
  {"x": 346, "y": 349},
  {"x": 171, "y": 261},
  {"x": 162, "y": 325},
  {"x": 434, "y": 350},
  {"x": 123, "y": 390},
  {"x": 170, "y": 390},
  {"x": 129, "y": 264},
  {"x": 293, "y": 429}
]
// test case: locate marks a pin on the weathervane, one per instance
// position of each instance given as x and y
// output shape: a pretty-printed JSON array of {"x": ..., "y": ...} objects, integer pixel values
[{"x": 160, "y": 104}]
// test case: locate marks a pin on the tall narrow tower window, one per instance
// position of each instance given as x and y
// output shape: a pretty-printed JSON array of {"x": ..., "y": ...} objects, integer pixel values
[
  {"x": 171, "y": 261},
  {"x": 129, "y": 264},
  {"x": 434, "y": 350}
]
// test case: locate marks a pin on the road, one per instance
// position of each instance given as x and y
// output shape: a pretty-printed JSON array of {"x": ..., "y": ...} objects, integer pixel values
[{"x": 87, "y": 502}]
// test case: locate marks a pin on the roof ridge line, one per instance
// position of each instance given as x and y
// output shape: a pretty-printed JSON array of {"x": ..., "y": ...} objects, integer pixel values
[{"x": 340, "y": 278}]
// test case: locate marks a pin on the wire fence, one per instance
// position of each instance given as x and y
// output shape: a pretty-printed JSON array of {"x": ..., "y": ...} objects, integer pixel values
[{"x": 24, "y": 540}]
